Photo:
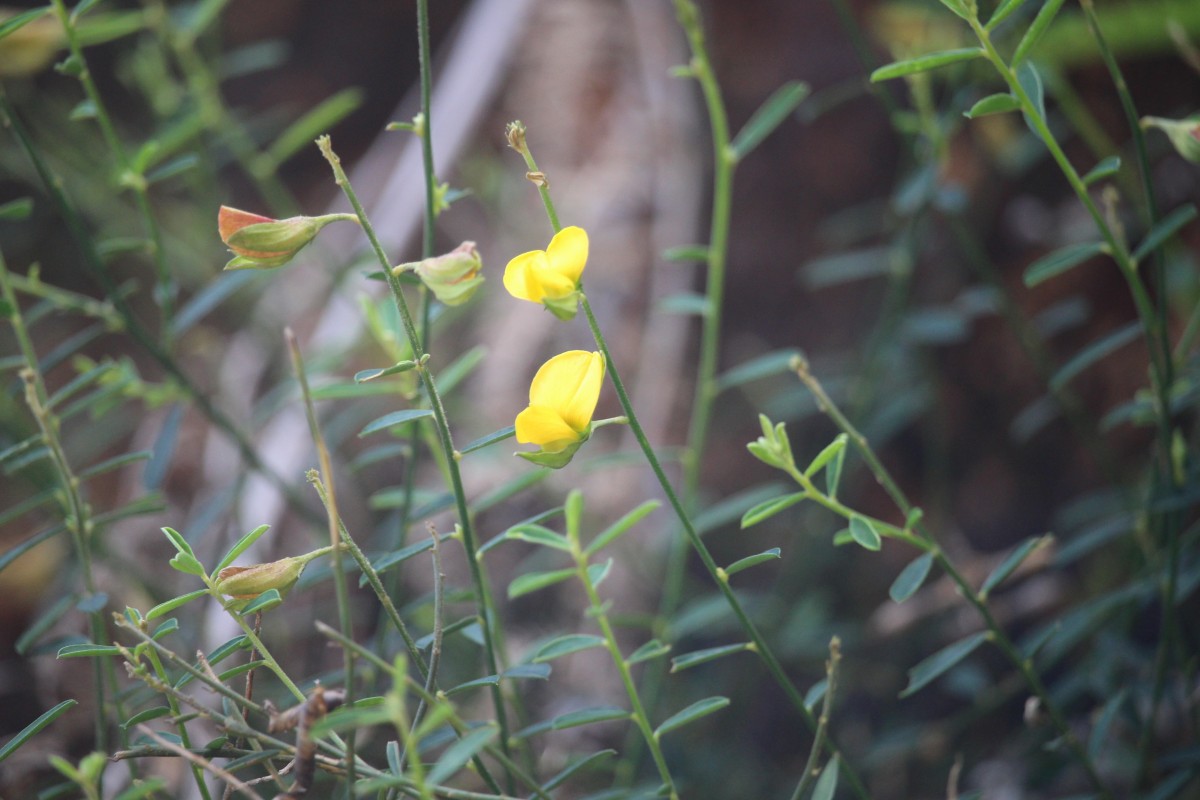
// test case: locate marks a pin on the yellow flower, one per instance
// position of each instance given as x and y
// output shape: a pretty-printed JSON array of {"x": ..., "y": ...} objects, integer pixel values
[
  {"x": 562, "y": 399},
  {"x": 551, "y": 276}
]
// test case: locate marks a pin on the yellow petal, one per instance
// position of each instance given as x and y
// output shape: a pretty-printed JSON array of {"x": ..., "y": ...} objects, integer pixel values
[
  {"x": 543, "y": 426},
  {"x": 520, "y": 276},
  {"x": 568, "y": 252},
  {"x": 570, "y": 384}
]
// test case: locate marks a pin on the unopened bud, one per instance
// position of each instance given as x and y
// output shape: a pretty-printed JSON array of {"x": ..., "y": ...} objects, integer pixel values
[
  {"x": 243, "y": 584},
  {"x": 260, "y": 242},
  {"x": 1183, "y": 133},
  {"x": 453, "y": 277}
]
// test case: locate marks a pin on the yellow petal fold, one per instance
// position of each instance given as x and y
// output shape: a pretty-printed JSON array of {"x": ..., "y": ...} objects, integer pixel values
[
  {"x": 520, "y": 276},
  {"x": 544, "y": 427},
  {"x": 570, "y": 384},
  {"x": 568, "y": 253}
]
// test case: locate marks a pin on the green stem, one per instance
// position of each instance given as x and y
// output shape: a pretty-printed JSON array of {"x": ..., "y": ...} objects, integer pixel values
[
  {"x": 166, "y": 287},
  {"x": 484, "y": 600},
  {"x": 173, "y": 704},
  {"x": 597, "y": 612},
  {"x": 978, "y": 600},
  {"x": 810, "y": 768},
  {"x": 758, "y": 643},
  {"x": 331, "y": 512}
]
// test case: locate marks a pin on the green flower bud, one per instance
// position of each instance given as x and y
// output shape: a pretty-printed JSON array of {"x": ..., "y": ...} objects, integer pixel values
[
  {"x": 243, "y": 584},
  {"x": 453, "y": 277},
  {"x": 259, "y": 242},
  {"x": 1183, "y": 133}
]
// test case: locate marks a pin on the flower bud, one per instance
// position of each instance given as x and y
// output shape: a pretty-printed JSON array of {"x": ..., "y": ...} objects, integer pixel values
[
  {"x": 453, "y": 277},
  {"x": 1183, "y": 133},
  {"x": 260, "y": 242},
  {"x": 515, "y": 134},
  {"x": 247, "y": 583}
]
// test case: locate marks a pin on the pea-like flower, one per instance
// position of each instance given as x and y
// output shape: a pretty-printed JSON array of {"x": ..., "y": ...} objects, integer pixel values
[
  {"x": 453, "y": 277},
  {"x": 562, "y": 399},
  {"x": 551, "y": 276},
  {"x": 259, "y": 242}
]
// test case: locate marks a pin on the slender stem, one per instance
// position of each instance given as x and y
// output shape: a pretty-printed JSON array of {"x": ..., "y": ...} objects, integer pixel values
[
  {"x": 979, "y": 601},
  {"x": 483, "y": 597},
  {"x": 758, "y": 643},
  {"x": 331, "y": 511},
  {"x": 435, "y": 649},
  {"x": 424, "y": 59},
  {"x": 810, "y": 768},
  {"x": 173, "y": 704},
  {"x": 165, "y": 290},
  {"x": 597, "y": 612}
]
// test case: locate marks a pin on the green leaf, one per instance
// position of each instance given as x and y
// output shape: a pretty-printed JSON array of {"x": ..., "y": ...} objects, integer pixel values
[
  {"x": 170, "y": 626},
  {"x": 457, "y": 370},
  {"x": 144, "y": 788},
  {"x": 774, "y": 363},
  {"x": 826, "y": 455},
  {"x": 1061, "y": 260},
  {"x": 169, "y": 169},
  {"x": 145, "y": 716},
  {"x": 526, "y": 584},
  {"x": 687, "y": 252},
  {"x": 942, "y": 660},
  {"x": 863, "y": 532},
  {"x": 88, "y": 650},
  {"x": 1002, "y": 13},
  {"x": 365, "y": 375},
  {"x": 993, "y": 104},
  {"x": 750, "y": 561},
  {"x": 1014, "y": 560},
  {"x": 1093, "y": 353},
  {"x": 620, "y": 527},
  {"x": 924, "y": 63},
  {"x": 1164, "y": 230},
  {"x": 490, "y": 439},
  {"x": 264, "y": 602},
  {"x": 574, "y": 767},
  {"x": 698, "y": 657},
  {"x": 587, "y": 716},
  {"x": 187, "y": 564},
  {"x": 958, "y": 7},
  {"x": 167, "y": 606},
  {"x": 19, "y": 21},
  {"x": 651, "y": 649},
  {"x": 770, "y": 508},
  {"x": 767, "y": 118},
  {"x": 563, "y": 645},
  {"x": 395, "y": 418},
  {"x": 686, "y": 303},
  {"x": 1031, "y": 82},
  {"x": 732, "y": 508},
  {"x": 395, "y": 557},
  {"x": 911, "y": 578},
  {"x": 180, "y": 543},
  {"x": 459, "y": 753},
  {"x": 598, "y": 572},
  {"x": 33, "y": 728},
  {"x": 827, "y": 783},
  {"x": 319, "y": 120},
  {"x": 1038, "y": 27},
  {"x": 536, "y": 534},
  {"x": 698, "y": 709},
  {"x": 116, "y": 462},
  {"x": 833, "y": 473},
  {"x": 44, "y": 623},
  {"x": 1104, "y": 169},
  {"x": 83, "y": 7},
  {"x": 240, "y": 547},
  {"x": 18, "y": 209}
]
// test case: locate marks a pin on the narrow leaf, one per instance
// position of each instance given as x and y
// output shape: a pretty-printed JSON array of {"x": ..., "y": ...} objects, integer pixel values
[
  {"x": 1164, "y": 230},
  {"x": 620, "y": 527},
  {"x": 490, "y": 439},
  {"x": 317, "y": 121},
  {"x": 177, "y": 539},
  {"x": 701, "y": 708},
  {"x": 1002, "y": 13},
  {"x": 88, "y": 650},
  {"x": 826, "y": 455},
  {"x": 1031, "y": 82},
  {"x": 459, "y": 753},
  {"x": 33, "y": 728},
  {"x": 18, "y": 209},
  {"x": 770, "y": 508},
  {"x": 827, "y": 783},
  {"x": 687, "y": 252},
  {"x": 563, "y": 645},
  {"x": 145, "y": 716},
  {"x": 774, "y": 363},
  {"x": 927, "y": 62},
  {"x": 750, "y": 561},
  {"x": 911, "y": 578},
  {"x": 767, "y": 118},
  {"x": 582, "y": 763},
  {"x": 863, "y": 532},
  {"x": 240, "y": 547},
  {"x": 1104, "y": 169},
  {"x": 1093, "y": 353},
  {"x": 698, "y": 657},
  {"x": 19, "y": 21},
  {"x": 1014, "y": 560},
  {"x": 396, "y": 418},
  {"x": 587, "y": 716},
  {"x": 651, "y": 649},
  {"x": 958, "y": 7},
  {"x": 44, "y": 623},
  {"x": 365, "y": 375},
  {"x": 686, "y": 303},
  {"x": 942, "y": 660},
  {"x": 264, "y": 602},
  {"x": 1038, "y": 27},
  {"x": 526, "y": 584},
  {"x": 536, "y": 534},
  {"x": 993, "y": 104},
  {"x": 1060, "y": 261},
  {"x": 598, "y": 572},
  {"x": 167, "y": 606},
  {"x": 24, "y": 547}
]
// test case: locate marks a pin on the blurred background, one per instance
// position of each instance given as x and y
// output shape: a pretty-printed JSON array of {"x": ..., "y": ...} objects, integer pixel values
[{"x": 877, "y": 231}]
